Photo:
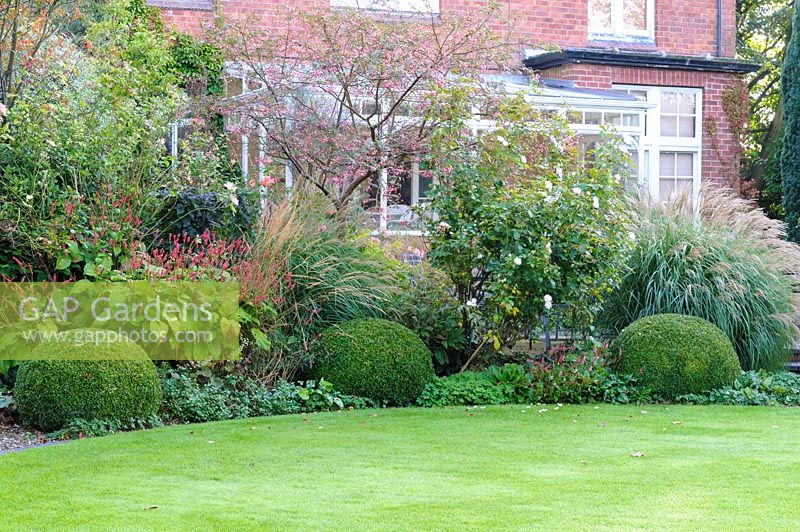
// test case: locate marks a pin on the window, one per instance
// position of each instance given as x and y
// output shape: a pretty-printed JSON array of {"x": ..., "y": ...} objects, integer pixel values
[
  {"x": 672, "y": 142},
  {"x": 200, "y": 5},
  {"x": 408, "y": 6},
  {"x": 678, "y": 113},
  {"x": 626, "y": 19},
  {"x": 676, "y": 173},
  {"x": 396, "y": 204}
]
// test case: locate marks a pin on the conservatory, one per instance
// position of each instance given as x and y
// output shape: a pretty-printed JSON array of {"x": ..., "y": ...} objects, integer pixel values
[{"x": 592, "y": 114}]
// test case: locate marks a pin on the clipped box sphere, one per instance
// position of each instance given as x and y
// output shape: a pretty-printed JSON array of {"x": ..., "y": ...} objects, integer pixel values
[
  {"x": 376, "y": 359},
  {"x": 674, "y": 354},
  {"x": 67, "y": 381}
]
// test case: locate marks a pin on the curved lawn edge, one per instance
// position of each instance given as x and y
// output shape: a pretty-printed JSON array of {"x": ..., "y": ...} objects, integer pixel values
[{"x": 510, "y": 467}]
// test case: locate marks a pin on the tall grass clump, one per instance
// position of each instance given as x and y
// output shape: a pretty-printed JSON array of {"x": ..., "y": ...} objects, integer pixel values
[
  {"x": 722, "y": 260},
  {"x": 306, "y": 271}
]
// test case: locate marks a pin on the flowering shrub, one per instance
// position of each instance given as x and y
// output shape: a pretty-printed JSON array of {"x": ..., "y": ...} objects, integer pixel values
[{"x": 523, "y": 221}]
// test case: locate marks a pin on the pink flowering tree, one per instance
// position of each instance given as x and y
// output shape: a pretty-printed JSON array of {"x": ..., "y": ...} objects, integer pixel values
[{"x": 346, "y": 97}]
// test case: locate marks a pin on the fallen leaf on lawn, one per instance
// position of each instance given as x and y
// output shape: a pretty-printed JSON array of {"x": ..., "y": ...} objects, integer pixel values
[
  {"x": 775, "y": 427},
  {"x": 584, "y": 462},
  {"x": 602, "y": 424},
  {"x": 151, "y": 508},
  {"x": 351, "y": 408},
  {"x": 210, "y": 441},
  {"x": 373, "y": 415},
  {"x": 252, "y": 428},
  {"x": 644, "y": 412},
  {"x": 597, "y": 408},
  {"x": 637, "y": 454},
  {"x": 305, "y": 420},
  {"x": 319, "y": 428},
  {"x": 574, "y": 420},
  {"x": 677, "y": 422},
  {"x": 542, "y": 411}
]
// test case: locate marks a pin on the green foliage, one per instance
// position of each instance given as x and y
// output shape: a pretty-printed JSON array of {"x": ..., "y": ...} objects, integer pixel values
[
  {"x": 81, "y": 428},
  {"x": 790, "y": 155},
  {"x": 61, "y": 158},
  {"x": 582, "y": 374},
  {"x": 467, "y": 388},
  {"x": 5, "y": 400},
  {"x": 195, "y": 61},
  {"x": 675, "y": 355},
  {"x": 729, "y": 266},
  {"x": 567, "y": 377},
  {"x": 428, "y": 307},
  {"x": 306, "y": 272},
  {"x": 375, "y": 358},
  {"x": 523, "y": 221},
  {"x": 51, "y": 393},
  {"x": 515, "y": 380},
  {"x": 753, "y": 388},
  {"x": 195, "y": 397}
]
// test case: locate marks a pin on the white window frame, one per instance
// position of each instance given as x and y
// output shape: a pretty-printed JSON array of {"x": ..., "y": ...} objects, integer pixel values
[
  {"x": 618, "y": 32},
  {"x": 399, "y": 6},
  {"x": 653, "y": 144}
]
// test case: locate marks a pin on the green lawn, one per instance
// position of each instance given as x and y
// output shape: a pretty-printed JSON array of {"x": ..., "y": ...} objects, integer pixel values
[{"x": 723, "y": 468}]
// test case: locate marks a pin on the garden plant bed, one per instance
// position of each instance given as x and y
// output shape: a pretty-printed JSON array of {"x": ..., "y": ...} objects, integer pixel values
[
  {"x": 14, "y": 437},
  {"x": 518, "y": 467}
]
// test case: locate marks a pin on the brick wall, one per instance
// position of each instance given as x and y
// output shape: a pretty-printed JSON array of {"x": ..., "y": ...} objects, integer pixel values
[
  {"x": 682, "y": 26},
  {"x": 720, "y": 162}
]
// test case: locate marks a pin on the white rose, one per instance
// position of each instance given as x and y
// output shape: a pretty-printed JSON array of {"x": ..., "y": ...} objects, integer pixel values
[
  {"x": 548, "y": 186},
  {"x": 472, "y": 302},
  {"x": 548, "y": 247},
  {"x": 548, "y": 301},
  {"x": 230, "y": 186},
  {"x": 577, "y": 190},
  {"x": 444, "y": 226},
  {"x": 502, "y": 140},
  {"x": 596, "y": 202},
  {"x": 523, "y": 159},
  {"x": 632, "y": 236},
  {"x": 518, "y": 261}
]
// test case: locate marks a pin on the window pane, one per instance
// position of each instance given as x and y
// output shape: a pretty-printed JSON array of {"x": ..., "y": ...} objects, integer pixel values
[
  {"x": 685, "y": 164},
  {"x": 666, "y": 187},
  {"x": 635, "y": 14},
  {"x": 614, "y": 119},
  {"x": 686, "y": 126},
  {"x": 592, "y": 118},
  {"x": 683, "y": 187},
  {"x": 687, "y": 104},
  {"x": 425, "y": 183},
  {"x": 669, "y": 101},
  {"x": 631, "y": 120},
  {"x": 669, "y": 126},
  {"x": 642, "y": 95},
  {"x": 666, "y": 164},
  {"x": 600, "y": 15}
]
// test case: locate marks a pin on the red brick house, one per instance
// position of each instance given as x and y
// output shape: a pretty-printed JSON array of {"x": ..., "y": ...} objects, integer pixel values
[{"x": 660, "y": 72}]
